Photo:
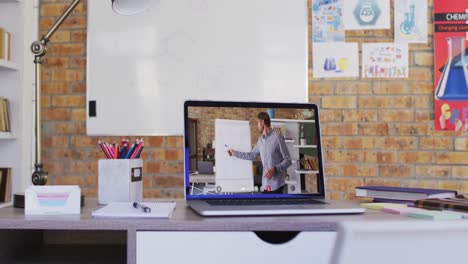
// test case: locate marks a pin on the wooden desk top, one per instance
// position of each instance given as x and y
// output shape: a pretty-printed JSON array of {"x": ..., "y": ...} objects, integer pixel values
[{"x": 183, "y": 219}]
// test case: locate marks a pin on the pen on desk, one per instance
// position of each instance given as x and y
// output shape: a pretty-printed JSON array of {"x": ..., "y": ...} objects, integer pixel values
[{"x": 145, "y": 209}]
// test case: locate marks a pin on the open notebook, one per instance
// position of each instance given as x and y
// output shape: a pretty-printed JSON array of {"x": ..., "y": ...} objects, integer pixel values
[{"x": 126, "y": 210}]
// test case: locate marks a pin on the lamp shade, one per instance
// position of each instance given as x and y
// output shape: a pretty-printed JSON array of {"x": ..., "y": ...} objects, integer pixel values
[{"x": 130, "y": 7}]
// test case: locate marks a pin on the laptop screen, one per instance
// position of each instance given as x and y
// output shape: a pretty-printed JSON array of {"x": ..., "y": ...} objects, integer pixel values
[{"x": 252, "y": 150}]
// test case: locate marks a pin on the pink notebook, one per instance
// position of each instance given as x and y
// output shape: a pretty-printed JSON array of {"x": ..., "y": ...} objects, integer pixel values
[{"x": 403, "y": 210}]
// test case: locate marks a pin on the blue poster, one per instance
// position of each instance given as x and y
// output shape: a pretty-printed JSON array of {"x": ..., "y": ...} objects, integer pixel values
[{"x": 327, "y": 21}]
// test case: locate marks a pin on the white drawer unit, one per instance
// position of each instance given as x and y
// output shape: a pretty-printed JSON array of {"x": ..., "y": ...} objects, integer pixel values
[{"x": 231, "y": 247}]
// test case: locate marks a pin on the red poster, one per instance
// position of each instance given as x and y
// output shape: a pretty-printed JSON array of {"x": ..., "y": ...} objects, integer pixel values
[{"x": 451, "y": 64}]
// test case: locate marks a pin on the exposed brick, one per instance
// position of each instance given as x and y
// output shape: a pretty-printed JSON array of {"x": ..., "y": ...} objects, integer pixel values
[
  {"x": 461, "y": 144},
  {"x": 55, "y": 88},
  {"x": 460, "y": 172},
  {"x": 379, "y": 157},
  {"x": 342, "y": 129},
  {"x": 431, "y": 184},
  {"x": 396, "y": 116},
  {"x": 398, "y": 170},
  {"x": 56, "y": 62},
  {"x": 174, "y": 154},
  {"x": 173, "y": 167},
  {"x": 422, "y": 129},
  {"x": 168, "y": 181},
  {"x": 397, "y": 143},
  {"x": 331, "y": 115},
  {"x": 69, "y": 128},
  {"x": 332, "y": 169},
  {"x": 359, "y": 170},
  {"x": 175, "y": 142},
  {"x": 344, "y": 185},
  {"x": 360, "y": 116},
  {"x": 343, "y": 156},
  {"x": 452, "y": 158},
  {"x": 84, "y": 167},
  {"x": 323, "y": 88},
  {"x": 89, "y": 192},
  {"x": 432, "y": 171},
  {"x": 55, "y": 114},
  {"x": 68, "y": 101},
  {"x": 155, "y": 141},
  {"x": 339, "y": 102},
  {"x": 436, "y": 143},
  {"x": 70, "y": 180},
  {"x": 381, "y": 129},
  {"x": 382, "y": 182},
  {"x": 424, "y": 58},
  {"x": 79, "y": 114},
  {"x": 394, "y": 87},
  {"x": 416, "y": 157},
  {"x": 352, "y": 143},
  {"x": 67, "y": 49},
  {"x": 374, "y": 102},
  {"x": 78, "y": 36},
  {"x": 421, "y": 87},
  {"x": 84, "y": 141},
  {"x": 152, "y": 167},
  {"x": 420, "y": 73},
  {"x": 353, "y": 88},
  {"x": 55, "y": 142}
]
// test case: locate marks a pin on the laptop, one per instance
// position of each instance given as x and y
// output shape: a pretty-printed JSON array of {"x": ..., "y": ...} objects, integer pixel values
[{"x": 292, "y": 145}]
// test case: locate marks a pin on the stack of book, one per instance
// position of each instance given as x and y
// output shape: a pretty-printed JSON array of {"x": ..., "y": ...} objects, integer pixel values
[
  {"x": 5, "y": 44},
  {"x": 458, "y": 203},
  {"x": 5, "y": 185},
  {"x": 4, "y": 115},
  {"x": 402, "y": 194}
]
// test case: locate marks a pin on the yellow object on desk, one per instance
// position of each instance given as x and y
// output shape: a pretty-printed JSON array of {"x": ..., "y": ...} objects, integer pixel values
[{"x": 380, "y": 206}]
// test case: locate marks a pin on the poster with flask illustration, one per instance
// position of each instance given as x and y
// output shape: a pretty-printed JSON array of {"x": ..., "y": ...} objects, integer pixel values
[
  {"x": 410, "y": 21},
  {"x": 366, "y": 14},
  {"x": 450, "y": 65},
  {"x": 335, "y": 60}
]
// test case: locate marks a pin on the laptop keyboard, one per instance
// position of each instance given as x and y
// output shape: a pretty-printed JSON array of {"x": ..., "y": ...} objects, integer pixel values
[{"x": 247, "y": 202}]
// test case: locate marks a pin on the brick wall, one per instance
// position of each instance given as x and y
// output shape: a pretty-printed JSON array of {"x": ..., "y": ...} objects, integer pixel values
[{"x": 375, "y": 131}]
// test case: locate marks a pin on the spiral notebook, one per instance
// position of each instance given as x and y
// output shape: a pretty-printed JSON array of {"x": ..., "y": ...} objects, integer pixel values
[{"x": 126, "y": 210}]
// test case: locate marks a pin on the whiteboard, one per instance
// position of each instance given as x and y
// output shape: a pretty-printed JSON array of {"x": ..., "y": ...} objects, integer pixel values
[
  {"x": 233, "y": 174},
  {"x": 141, "y": 69}
]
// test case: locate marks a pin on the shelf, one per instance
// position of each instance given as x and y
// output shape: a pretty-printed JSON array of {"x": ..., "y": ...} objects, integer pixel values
[
  {"x": 11, "y": 1},
  {"x": 6, "y": 135},
  {"x": 305, "y": 171},
  {"x": 3, "y": 205},
  {"x": 8, "y": 65},
  {"x": 292, "y": 120},
  {"x": 289, "y": 140},
  {"x": 305, "y": 146}
]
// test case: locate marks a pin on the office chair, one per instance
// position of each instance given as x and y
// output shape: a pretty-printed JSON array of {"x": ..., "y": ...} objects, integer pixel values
[{"x": 395, "y": 242}]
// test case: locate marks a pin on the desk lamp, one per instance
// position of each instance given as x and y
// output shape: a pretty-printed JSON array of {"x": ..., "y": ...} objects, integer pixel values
[{"x": 39, "y": 49}]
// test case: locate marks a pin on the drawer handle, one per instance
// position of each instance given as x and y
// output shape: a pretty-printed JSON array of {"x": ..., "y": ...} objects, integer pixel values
[{"x": 276, "y": 237}]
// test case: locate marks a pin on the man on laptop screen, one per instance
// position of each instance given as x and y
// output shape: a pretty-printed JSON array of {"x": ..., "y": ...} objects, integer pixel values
[
  {"x": 280, "y": 172},
  {"x": 273, "y": 152}
]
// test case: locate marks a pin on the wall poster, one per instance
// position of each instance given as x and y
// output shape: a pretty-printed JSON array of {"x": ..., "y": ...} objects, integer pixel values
[
  {"x": 410, "y": 21},
  {"x": 327, "y": 21},
  {"x": 450, "y": 65}
]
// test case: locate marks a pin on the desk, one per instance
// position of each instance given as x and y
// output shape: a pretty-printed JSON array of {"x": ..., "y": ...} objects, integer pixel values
[
  {"x": 14, "y": 225},
  {"x": 201, "y": 178}
]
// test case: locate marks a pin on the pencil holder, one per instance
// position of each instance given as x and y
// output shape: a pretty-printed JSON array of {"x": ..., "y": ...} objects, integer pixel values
[{"x": 120, "y": 180}]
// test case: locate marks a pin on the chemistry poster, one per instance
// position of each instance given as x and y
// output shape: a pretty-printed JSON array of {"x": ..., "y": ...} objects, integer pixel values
[
  {"x": 384, "y": 60},
  {"x": 450, "y": 65},
  {"x": 410, "y": 21},
  {"x": 367, "y": 14},
  {"x": 327, "y": 21},
  {"x": 335, "y": 60}
]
